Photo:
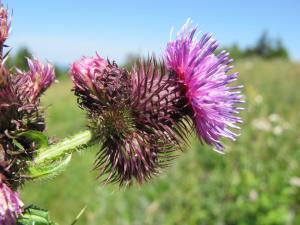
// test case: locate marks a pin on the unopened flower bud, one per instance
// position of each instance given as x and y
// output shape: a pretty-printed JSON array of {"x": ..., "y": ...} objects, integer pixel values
[
  {"x": 4, "y": 24},
  {"x": 10, "y": 205}
]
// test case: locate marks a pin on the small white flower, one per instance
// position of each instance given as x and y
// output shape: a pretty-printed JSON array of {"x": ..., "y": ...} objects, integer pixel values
[
  {"x": 295, "y": 181},
  {"x": 262, "y": 124},
  {"x": 286, "y": 125},
  {"x": 277, "y": 130},
  {"x": 253, "y": 195},
  {"x": 275, "y": 118},
  {"x": 258, "y": 99}
]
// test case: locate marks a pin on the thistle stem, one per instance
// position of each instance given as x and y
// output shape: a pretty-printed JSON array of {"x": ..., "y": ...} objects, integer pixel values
[{"x": 66, "y": 146}]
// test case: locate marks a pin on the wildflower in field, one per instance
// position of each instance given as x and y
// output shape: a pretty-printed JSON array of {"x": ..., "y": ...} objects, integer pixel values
[
  {"x": 4, "y": 24},
  {"x": 32, "y": 83},
  {"x": 10, "y": 205},
  {"x": 275, "y": 118},
  {"x": 203, "y": 76},
  {"x": 142, "y": 116},
  {"x": 129, "y": 114},
  {"x": 258, "y": 99},
  {"x": 19, "y": 96},
  {"x": 21, "y": 127},
  {"x": 294, "y": 181},
  {"x": 20, "y": 111},
  {"x": 262, "y": 124}
]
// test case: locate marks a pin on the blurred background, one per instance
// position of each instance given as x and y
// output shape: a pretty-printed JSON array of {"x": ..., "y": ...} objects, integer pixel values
[{"x": 257, "y": 181}]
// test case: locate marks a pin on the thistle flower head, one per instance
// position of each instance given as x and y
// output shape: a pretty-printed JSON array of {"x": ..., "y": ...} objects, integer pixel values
[
  {"x": 123, "y": 111},
  {"x": 8, "y": 100},
  {"x": 99, "y": 83},
  {"x": 88, "y": 70},
  {"x": 4, "y": 24},
  {"x": 10, "y": 205},
  {"x": 156, "y": 94},
  {"x": 32, "y": 83},
  {"x": 20, "y": 111},
  {"x": 129, "y": 151},
  {"x": 203, "y": 77},
  {"x": 19, "y": 96}
]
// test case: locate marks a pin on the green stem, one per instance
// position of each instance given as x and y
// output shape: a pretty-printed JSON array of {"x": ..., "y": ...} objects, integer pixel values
[{"x": 66, "y": 146}]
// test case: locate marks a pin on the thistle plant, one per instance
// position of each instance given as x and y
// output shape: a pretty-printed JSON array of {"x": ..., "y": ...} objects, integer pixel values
[
  {"x": 21, "y": 121},
  {"x": 140, "y": 119}
]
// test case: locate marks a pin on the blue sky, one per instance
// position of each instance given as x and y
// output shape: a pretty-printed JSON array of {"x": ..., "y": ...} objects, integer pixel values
[{"x": 63, "y": 31}]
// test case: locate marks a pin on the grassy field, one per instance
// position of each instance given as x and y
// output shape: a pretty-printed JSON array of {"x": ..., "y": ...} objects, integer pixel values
[{"x": 256, "y": 182}]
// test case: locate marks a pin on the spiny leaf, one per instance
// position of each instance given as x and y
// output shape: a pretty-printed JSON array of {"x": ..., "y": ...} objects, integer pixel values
[
  {"x": 34, "y": 215},
  {"x": 48, "y": 169},
  {"x": 65, "y": 147}
]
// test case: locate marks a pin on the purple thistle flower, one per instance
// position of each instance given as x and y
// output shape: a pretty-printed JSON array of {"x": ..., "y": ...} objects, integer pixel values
[
  {"x": 128, "y": 114},
  {"x": 4, "y": 24},
  {"x": 20, "y": 111},
  {"x": 129, "y": 152},
  {"x": 203, "y": 77},
  {"x": 99, "y": 83},
  {"x": 8, "y": 101},
  {"x": 86, "y": 71},
  {"x": 10, "y": 205},
  {"x": 32, "y": 83},
  {"x": 156, "y": 94}
]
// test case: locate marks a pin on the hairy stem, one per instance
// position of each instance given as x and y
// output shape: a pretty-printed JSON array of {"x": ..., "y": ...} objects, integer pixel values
[{"x": 66, "y": 146}]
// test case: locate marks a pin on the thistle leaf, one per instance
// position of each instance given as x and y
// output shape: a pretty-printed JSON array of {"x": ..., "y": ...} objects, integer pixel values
[
  {"x": 34, "y": 215},
  {"x": 65, "y": 147},
  {"x": 48, "y": 169}
]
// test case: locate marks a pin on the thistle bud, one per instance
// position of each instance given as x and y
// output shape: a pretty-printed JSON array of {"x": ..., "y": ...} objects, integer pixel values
[
  {"x": 20, "y": 113},
  {"x": 4, "y": 24},
  {"x": 10, "y": 205},
  {"x": 32, "y": 83},
  {"x": 130, "y": 114},
  {"x": 86, "y": 71}
]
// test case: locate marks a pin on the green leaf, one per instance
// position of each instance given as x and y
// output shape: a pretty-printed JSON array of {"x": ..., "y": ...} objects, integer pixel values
[
  {"x": 35, "y": 215},
  {"x": 47, "y": 169},
  {"x": 64, "y": 147},
  {"x": 36, "y": 136},
  {"x": 49, "y": 161}
]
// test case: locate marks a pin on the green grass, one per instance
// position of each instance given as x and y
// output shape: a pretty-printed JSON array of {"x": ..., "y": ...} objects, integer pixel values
[{"x": 256, "y": 182}]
